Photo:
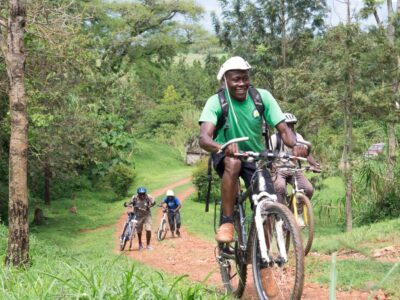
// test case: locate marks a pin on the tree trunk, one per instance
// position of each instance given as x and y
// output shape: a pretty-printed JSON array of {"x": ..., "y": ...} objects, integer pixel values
[
  {"x": 47, "y": 178},
  {"x": 18, "y": 239},
  {"x": 349, "y": 126}
]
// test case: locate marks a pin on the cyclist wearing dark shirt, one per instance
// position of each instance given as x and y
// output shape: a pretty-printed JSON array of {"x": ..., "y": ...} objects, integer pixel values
[{"x": 174, "y": 205}]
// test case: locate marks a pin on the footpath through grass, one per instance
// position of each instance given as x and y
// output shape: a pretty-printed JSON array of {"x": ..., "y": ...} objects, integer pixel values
[{"x": 69, "y": 262}]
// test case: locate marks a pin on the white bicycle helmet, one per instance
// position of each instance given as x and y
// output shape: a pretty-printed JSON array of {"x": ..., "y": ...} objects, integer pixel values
[
  {"x": 290, "y": 118},
  {"x": 170, "y": 193}
]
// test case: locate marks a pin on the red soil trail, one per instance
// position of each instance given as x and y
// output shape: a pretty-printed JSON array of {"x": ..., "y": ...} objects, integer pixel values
[{"x": 194, "y": 257}]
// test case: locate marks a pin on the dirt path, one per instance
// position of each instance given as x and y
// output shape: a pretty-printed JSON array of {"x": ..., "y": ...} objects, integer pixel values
[{"x": 195, "y": 257}]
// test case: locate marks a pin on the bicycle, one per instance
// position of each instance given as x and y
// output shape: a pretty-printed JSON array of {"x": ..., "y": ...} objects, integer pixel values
[
  {"x": 130, "y": 228},
  {"x": 261, "y": 240},
  {"x": 295, "y": 198},
  {"x": 163, "y": 227}
]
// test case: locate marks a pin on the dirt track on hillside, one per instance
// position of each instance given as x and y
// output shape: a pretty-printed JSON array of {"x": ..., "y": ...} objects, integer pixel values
[{"x": 195, "y": 257}]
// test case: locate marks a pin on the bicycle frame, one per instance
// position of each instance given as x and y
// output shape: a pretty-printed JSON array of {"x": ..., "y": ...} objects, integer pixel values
[{"x": 296, "y": 190}]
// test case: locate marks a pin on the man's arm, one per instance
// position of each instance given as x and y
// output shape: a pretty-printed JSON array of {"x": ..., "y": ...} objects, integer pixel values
[
  {"x": 206, "y": 137},
  {"x": 207, "y": 143},
  {"x": 179, "y": 205},
  {"x": 289, "y": 139}
]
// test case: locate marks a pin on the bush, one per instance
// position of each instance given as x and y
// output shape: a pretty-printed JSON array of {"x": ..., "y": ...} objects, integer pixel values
[
  {"x": 200, "y": 180},
  {"x": 121, "y": 178}
]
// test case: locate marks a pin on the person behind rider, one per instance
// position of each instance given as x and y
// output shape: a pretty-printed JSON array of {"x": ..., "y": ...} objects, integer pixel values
[
  {"x": 174, "y": 205},
  {"x": 281, "y": 177},
  {"x": 244, "y": 121},
  {"x": 142, "y": 202}
]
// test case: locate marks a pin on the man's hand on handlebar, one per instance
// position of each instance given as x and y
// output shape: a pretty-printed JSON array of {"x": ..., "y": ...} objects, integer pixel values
[
  {"x": 231, "y": 150},
  {"x": 315, "y": 168},
  {"x": 302, "y": 149}
]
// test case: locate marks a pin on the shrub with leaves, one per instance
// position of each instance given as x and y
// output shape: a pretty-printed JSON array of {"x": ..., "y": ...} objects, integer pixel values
[
  {"x": 121, "y": 177},
  {"x": 200, "y": 180}
]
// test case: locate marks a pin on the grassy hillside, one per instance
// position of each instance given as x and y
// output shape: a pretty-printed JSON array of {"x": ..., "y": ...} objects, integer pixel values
[{"x": 69, "y": 262}]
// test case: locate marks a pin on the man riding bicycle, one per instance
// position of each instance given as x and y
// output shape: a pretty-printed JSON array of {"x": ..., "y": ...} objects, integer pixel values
[
  {"x": 142, "y": 202},
  {"x": 244, "y": 121},
  {"x": 281, "y": 177},
  {"x": 174, "y": 205}
]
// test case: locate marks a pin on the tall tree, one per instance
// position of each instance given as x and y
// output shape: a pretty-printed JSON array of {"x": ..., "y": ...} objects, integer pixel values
[
  {"x": 348, "y": 122},
  {"x": 371, "y": 8},
  {"x": 12, "y": 46}
]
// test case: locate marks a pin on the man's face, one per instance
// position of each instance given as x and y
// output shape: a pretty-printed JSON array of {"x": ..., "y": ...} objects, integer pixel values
[
  {"x": 238, "y": 82},
  {"x": 142, "y": 196}
]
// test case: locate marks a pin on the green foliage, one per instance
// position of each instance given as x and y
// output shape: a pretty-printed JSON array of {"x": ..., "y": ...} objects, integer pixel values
[
  {"x": 200, "y": 180},
  {"x": 121, "y": 177}
]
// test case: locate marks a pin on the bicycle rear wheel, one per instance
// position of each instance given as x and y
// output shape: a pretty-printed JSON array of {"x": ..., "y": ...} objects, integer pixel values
[
  {"x": 280, "y": 279},
  {"x": 307, "y": 231},
  {"x": 232, "y": 262},
  {"x": 162, "y": 230},
  {"x": 124, "y": 237}
]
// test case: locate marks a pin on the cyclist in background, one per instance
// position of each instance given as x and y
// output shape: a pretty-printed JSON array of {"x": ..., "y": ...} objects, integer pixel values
[
  {"x": 174, "y": 205},
  {"x": 282, "y": 177},
  {"x": 142, "y": 202}
]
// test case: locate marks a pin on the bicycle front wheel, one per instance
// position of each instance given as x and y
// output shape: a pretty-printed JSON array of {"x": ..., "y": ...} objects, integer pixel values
[
  {"x": 124, "y": 238},
  {"x": 279, "y": 279},
  {"x": 232, "y": 262},
  {"x": 307, "y": 231},
  {"x": 162, "y": 230}
]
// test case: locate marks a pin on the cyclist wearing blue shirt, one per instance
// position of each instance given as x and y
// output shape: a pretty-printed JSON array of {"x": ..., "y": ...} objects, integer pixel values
[{"x": 174, "y": 205}]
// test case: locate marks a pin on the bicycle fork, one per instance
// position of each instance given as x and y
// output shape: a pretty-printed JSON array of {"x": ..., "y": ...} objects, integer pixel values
[{"x": 259, "y": 221}]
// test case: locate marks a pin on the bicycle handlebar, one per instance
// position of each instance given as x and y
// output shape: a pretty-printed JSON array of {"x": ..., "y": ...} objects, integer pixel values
[
  {"x": 232, "y": 141},
  {"x": 267, "y": 155}
]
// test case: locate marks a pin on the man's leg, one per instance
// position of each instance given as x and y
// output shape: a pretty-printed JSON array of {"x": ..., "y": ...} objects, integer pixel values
[
  {"x": 229, "y": 186},
  {"x": 279, "y": 181},
  {"x": 139, "y": 232},
  {"x": 147, "y": 227},
  {"x": 178, "y": 223},
  {"x": 304, "y": 184}
]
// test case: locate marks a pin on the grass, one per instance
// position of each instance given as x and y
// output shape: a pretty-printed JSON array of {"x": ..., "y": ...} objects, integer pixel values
[
  {"x": 68, "y": 263},
  {"x": 329, "y": 237}
]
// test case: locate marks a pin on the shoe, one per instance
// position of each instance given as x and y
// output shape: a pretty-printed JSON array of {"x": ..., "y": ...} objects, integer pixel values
[
  {"x": 225, "y": 233},
  {"x": 140, "y": 247},
  {"x": 300, "y": 221},
  {"x": 149, "y": 248},
  {"x": 178, "y": 233},
  {"x": 268, "y": 282}
]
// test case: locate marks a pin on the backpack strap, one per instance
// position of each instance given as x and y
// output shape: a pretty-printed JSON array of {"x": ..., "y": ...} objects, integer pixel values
[
  {"x": 257, "y": 99},
  {"x": 223, "y": 119}
]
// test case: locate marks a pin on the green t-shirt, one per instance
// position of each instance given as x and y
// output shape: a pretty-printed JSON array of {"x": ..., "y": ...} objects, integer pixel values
[{"x": 249, "y": 122}]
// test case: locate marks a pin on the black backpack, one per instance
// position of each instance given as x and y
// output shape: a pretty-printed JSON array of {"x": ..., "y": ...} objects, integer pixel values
[{"x": 223, "y": 122}]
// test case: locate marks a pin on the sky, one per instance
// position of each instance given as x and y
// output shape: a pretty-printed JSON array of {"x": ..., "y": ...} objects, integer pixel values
[{"x": 337, "y": 11}]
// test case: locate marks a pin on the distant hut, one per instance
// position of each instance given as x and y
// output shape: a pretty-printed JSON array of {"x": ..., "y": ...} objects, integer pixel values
[{"x": 193, "y": 152}]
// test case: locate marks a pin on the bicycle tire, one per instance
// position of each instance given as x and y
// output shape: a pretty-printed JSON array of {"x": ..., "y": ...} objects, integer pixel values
[
  {"x": 124, "y": 238},
  {"x": 232, "y": 263},
  {"x": 283, "y": 279},
  {"x": 132, "y": 236},
  {"x": 162, "y": 230},
  {"x": 307, "y": 232}
]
